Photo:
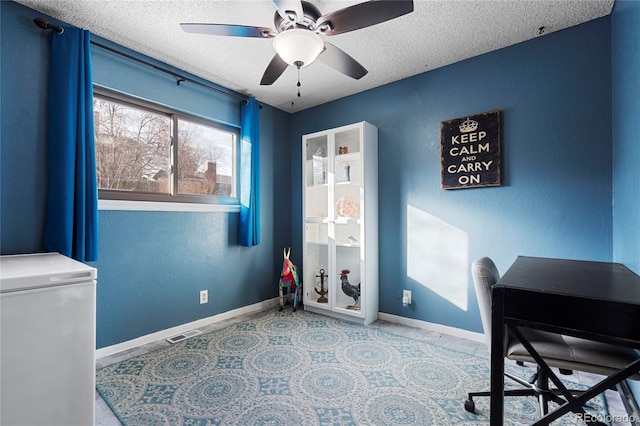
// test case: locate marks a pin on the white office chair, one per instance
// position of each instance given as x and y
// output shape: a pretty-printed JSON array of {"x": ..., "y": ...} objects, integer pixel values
[{"x": 563, "y": 352}]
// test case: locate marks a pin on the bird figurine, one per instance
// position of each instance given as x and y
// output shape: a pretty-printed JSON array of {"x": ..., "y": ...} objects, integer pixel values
[{"x": 349, "y": 289}]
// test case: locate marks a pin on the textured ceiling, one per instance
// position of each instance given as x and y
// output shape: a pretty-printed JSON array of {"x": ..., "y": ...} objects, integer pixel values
[{"x": 437, "y": 33}]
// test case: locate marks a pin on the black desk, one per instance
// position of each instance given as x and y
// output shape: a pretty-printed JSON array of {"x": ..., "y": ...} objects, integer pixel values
[{"x": 592, "y": 300}]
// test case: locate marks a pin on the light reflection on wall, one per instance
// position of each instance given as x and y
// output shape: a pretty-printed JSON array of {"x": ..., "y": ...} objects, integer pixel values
[{"x": 437, "y": 256}]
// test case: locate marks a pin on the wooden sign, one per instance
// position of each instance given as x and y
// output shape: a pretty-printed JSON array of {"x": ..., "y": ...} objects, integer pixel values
[{"x": 470, "y": 151}]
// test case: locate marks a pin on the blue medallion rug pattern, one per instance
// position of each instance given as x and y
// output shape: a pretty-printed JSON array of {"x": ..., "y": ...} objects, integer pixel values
[{"x": 286, "y": 368}]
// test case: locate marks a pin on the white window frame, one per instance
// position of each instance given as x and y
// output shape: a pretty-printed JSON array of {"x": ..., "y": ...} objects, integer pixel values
[{"x": 142, "y": 201}]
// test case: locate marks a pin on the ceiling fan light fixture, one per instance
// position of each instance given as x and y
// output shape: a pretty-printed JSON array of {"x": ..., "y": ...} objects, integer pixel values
[{"x": 298, "y": 45}]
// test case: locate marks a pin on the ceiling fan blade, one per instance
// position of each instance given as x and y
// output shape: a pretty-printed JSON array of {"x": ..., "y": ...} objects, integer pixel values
[
  {"x": 229, "y": 30},
  {"x": 288, "y": 7},
  {"x": 337, "y": 58},
  {"x": 362, "y": 15},
  {"x": 274, "y": 70}
]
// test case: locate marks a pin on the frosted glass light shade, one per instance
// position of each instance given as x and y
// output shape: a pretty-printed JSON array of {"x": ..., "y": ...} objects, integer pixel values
[{"x": 298, "y": 45}]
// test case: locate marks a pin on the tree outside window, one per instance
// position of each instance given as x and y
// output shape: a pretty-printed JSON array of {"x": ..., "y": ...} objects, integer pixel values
[{"x": 136, "y": 159}]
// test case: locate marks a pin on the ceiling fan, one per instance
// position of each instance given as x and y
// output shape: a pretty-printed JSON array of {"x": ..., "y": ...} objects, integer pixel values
[{"x": 298, "y": 28}]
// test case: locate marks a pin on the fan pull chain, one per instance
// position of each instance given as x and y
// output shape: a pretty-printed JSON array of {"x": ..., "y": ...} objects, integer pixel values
[{"x": 298, "y": 64}]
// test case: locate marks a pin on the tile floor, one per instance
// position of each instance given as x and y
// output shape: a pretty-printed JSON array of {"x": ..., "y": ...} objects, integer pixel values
[{"x": 105, "y": 417}]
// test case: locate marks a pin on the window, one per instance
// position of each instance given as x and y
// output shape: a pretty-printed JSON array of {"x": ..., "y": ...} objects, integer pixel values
[{"x": 145, "y": 152}]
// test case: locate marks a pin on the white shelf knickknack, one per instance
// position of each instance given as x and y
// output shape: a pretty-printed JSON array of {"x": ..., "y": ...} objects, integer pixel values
[{"x": 340, "y": 207}]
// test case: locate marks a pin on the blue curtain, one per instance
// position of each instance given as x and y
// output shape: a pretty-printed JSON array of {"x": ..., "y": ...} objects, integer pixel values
[
  {"x": 249, "y": 226},
  {"x": 71, "y": 226}
]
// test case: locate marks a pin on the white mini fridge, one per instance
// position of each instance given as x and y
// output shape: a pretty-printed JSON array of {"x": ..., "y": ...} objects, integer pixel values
[{"x": 47, "y": 340}]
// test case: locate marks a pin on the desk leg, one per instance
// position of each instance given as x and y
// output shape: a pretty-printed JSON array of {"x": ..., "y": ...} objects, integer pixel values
[{"x": 497, "y": 358}]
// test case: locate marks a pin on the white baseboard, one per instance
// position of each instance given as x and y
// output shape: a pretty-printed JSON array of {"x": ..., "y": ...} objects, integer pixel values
[
  {"x": 430, "y": 326},
  {"x": 268, "y": 304},
  {"x": 163, "y": 334}
]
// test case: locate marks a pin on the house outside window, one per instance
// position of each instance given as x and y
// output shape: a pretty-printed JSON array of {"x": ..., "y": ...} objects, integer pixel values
[{"x": 145, "y": 152}]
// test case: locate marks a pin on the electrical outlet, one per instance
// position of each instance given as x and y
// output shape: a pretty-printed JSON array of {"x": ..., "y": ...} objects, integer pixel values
[
  {"x": 406, "y": 297},
  {"x": 204, "y": 296}
]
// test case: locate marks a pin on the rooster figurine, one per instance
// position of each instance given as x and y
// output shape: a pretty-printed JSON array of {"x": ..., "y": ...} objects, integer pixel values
[{"x": 349, "y": 289}]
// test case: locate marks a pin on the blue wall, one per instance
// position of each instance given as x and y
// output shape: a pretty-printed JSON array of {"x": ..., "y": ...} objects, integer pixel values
[
  {"x": 24, "y": 56},
  {"x": 626, "y": 143},
  {"x": 555, "y": 94},
  {"x": 555, "y": 200},
  {"x": 151, "y": 265},
  {"x": 626, "y": 130}
]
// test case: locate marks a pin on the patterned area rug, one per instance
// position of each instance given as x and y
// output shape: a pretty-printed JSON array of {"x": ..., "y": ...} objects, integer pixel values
[{"x": 285, "y": 368}]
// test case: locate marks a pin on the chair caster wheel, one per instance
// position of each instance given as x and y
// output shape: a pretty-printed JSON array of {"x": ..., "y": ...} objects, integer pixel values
[
  {"x": 470, "y": 406},
  {"x": 281, "y": 308}
]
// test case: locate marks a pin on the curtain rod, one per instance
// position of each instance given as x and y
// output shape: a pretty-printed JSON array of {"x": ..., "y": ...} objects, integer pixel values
[{"x": 40, "y": 22}]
